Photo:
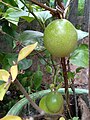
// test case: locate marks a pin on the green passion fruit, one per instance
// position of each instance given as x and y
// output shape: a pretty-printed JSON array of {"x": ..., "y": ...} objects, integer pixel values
[
  {"x": 60, "y": 38},
  {"x": 54, "y": 102}
]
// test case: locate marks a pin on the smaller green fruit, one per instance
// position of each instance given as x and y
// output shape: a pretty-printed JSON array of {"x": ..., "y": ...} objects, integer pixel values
[
  {"x": 42, "y": 104},
  {"x": 54, "y": 102}
]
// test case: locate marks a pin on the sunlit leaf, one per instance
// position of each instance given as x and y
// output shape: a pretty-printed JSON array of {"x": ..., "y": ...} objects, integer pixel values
[
  {"x": 81, "y": 34},
  {"x": 8, "y": 16},
  {"x": 13, "y": 15},
  {"x": 28, "y": 37},
  {"x": 14, "y": 72},
  {"x": 43, "y": 15},
  {"x": 24, "y": 52},
  {"x": 75, "y": 118},
  {"x": 19, "y": 3},
  {"x": 11, "y": 117},
  {"x": 3, "y": 90},
  {"x": 4, "y": 75}
]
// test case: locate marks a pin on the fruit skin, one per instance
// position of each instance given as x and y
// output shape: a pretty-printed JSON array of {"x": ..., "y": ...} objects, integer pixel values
[
  {"x": 60, "y": 38},
  {"x": 54, "y": 102},
  {"x": 42, "y": 104}
]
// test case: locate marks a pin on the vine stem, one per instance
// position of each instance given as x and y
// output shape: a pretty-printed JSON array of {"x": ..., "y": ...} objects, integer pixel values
[
  {"x": 63, "y": 62},
  {"x": 21, "y": 88}
]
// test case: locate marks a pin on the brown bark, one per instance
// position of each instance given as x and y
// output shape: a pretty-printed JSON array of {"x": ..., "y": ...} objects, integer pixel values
[
  {"x": 86, "y": 15},
  {"x": 73, "y": 12}
]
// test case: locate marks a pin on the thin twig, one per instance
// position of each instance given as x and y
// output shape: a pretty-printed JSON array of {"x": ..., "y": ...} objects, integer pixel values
[
  {"x": 21, "y": 88},
  {"x": 52, "y": 10},
  {"x": 66, "y": 8}
]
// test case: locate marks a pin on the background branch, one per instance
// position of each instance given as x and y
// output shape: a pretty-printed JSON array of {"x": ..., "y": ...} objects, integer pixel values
[{"x": 52, "y": 10}]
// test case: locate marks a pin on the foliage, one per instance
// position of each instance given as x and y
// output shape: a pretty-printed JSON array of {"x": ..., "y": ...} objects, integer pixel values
[
  {"x": 23, "y": 42},
  {"x": 81, "y": 7}
]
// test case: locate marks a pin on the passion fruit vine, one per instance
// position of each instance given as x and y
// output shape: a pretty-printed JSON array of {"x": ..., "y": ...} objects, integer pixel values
[
  {"x": 60, "y": 38},
  {"x": 52, "y": 103}
]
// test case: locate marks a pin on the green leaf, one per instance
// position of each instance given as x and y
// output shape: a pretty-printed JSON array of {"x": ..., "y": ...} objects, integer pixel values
[
  {"x": 29, "y": 36},
  {"x": 13, "y": 3},
  {"x": 75, "y": 118},
  {"x": 71, "y": 75},
  {"x": 13, "y": 15},
  {"x": 28, "y": 18},
  {"x": 49, "y": 69},
  {"x": 8, "y": 59},
  {"x": 37, "y": 79},
  {"x": 1, "y": 57},
  {"x": 79, "y": 69},
  {"x": 80, "y": 56},
  {"x": 25, "y": 64},
  {"x": 2, "y": 81},
  {"x": 9, "y": 15},
  {"x": 19, "y": 3},
  {"x": 43, "y": 16},
  {"x": 81, "y": 34}
]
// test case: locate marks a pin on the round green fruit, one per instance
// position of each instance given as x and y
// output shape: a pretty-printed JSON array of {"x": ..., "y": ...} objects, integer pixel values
[
  {"x": 42, "y": 104},
  {"x": 54, "y": 102},
  {"x": 60, "y": 38}
]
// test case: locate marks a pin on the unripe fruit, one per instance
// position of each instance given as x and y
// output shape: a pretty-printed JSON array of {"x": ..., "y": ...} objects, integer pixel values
[
  {"x": 60, "y": 38},
  {"x": 54, "y": 102},
  {"x": 42, "y": 104}
]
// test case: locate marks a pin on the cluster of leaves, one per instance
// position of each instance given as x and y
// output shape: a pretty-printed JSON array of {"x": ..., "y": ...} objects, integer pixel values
[
  {"x": 12, "y": 14},
  {"x": 7, "y": 77}
]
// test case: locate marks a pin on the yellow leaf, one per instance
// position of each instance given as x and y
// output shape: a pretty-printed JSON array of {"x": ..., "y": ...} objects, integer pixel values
[
  {"x": 14, "y": 72},
  {"x": 3, "y": 90},
  {"x": 24, "y": 52},
  {"x": 11, "y": 117},
  {"x": 61, "y": 118},
  {"x": 4, "y": 75}
]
